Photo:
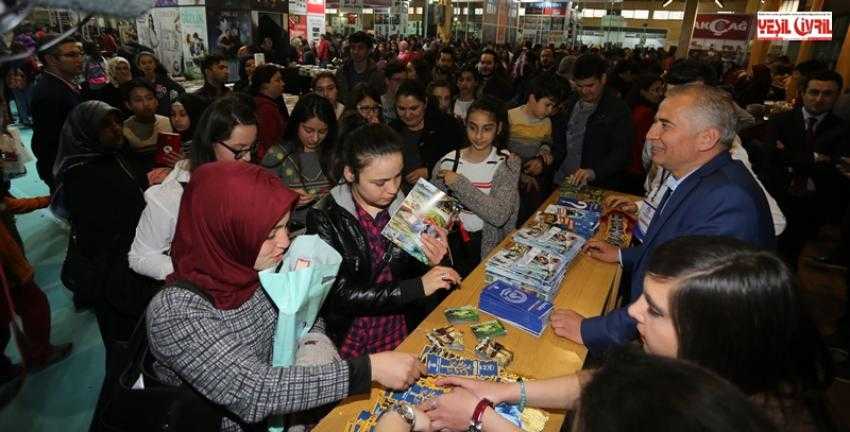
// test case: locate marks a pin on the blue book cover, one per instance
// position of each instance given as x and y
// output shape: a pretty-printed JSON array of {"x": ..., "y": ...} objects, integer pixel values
[{"x": 513, "y": 296}]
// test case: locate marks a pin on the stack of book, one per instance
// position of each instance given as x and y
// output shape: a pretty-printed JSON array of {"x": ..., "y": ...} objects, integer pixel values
[
  {"x": 551, "y": 238},
  {"x": 515, "y": 306},
  {"x": 580, "y": 221},
  {"x": 527, "y": 267}
]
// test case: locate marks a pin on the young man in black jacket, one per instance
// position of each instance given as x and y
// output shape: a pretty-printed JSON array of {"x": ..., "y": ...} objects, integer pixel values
[
  {"x": 591, "y": 138},
  {"x": 54, "y": 95}
]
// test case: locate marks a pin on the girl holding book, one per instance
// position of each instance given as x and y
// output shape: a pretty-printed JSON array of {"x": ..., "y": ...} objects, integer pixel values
[
  {"x": 484, "y": 178},
  {"x": 380, "y": 291}
]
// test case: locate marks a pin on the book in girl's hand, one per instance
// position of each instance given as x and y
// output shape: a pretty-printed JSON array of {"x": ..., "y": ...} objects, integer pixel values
[
  {"x": 167, "y": 146},
  {"x": 425, "y": 207}
]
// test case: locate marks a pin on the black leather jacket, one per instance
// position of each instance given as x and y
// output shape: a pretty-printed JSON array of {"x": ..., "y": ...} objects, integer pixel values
[{"x": 355, "y": 292}]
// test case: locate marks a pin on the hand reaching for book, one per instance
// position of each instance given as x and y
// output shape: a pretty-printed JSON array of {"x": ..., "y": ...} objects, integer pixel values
[{"x": 435, "y": 248}]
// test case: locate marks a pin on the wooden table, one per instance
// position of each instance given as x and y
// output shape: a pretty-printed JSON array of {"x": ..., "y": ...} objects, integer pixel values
[{"x": 590, "y": 287}]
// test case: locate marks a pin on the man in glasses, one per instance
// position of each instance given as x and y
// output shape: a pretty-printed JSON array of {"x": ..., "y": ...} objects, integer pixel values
[{"x": 55, "y": 94}]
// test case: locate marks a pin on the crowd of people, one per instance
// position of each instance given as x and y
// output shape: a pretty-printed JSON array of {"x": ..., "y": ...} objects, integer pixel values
[{"x": 177, "y": 237}]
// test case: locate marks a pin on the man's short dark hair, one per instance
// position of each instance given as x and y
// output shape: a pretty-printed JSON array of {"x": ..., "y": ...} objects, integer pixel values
[
  {"x": 448, "y": 50},
  {"x": 687, "y": 71},
  {"x": 809, "y": 67},
  {"x": 361, "y": 37},
  {"x": 211, "y": 60},
  {"x": 393, "y": 67},
  {"x": 48, "y": 38},
  {"x": 825, "y": 75},
  {"x": 133, "y": 84},
  {"x": 545, "y": 87},
  {"x": 492, "y": 53},
  {"x": 589, "y": 66}
]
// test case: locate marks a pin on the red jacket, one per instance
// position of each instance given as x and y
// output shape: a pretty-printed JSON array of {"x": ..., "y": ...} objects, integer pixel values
[
  {"x": 271, "y": 122},
  {"x": 642, "y": 118}
]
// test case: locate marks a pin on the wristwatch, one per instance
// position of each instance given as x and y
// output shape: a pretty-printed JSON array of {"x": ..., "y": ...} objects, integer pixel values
[{"x": 405, "y": 410}]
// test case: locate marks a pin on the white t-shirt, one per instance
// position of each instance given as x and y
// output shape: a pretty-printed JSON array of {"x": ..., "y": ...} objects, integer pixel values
[
  {"x": 480, "y": 174},
  {"x": 461, "y": 108}
]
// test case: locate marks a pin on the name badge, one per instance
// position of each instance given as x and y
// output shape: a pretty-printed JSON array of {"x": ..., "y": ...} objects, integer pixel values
[
  {"x": 645, "y": 215},
  {"x": 647, "y": 212}
]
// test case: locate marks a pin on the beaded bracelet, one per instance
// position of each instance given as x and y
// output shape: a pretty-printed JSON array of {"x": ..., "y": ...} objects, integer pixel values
[{"x": 523, "y": 396}]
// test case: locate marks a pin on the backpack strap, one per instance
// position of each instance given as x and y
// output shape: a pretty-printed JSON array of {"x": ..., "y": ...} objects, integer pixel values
[{"x": 456, "y": 161}]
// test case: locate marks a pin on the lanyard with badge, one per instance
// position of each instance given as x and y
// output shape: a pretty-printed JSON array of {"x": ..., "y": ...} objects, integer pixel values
[{"x": 650, "y": 206}]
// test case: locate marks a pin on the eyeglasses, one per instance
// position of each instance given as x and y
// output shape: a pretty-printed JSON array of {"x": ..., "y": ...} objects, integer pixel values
[
  {"x": 369, "y": 108},
  {"x": 239, "y": 153}
]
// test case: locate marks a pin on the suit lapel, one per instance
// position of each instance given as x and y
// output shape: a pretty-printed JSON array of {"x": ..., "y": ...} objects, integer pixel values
[{"x": 681, "y": 193}]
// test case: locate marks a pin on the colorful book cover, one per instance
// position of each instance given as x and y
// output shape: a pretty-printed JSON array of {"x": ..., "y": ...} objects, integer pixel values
[{"x": 425, "y": 207}]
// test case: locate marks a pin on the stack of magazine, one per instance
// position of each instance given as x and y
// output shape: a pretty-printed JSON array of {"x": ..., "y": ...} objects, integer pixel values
[
  {"x": 580, "y": 221},
  {"x": 515, "y": 306},
  {"x": 424, "y": 208},
  {"x": 527, "y": 267},
  {"x": 551, "y": 238}
]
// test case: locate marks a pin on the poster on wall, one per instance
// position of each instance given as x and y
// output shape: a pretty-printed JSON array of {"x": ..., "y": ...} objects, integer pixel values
[
  {"x": 297, "y": 26},
  {"x": 165, "y": 3},
  {"x": 726, "y": 34},
  {"x": 159, "y": 28},
  {"x": 315, "y": 27},
  {"x": 190, "y": 2},
  {"x": 228, "y": 30},
  {"x": 315, "y": 19},
  {"x": 193, "y": 24}
]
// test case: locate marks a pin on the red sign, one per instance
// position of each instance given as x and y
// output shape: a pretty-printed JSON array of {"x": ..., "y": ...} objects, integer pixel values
[
  {"x": 722, "y": 26},
  {"x": 297, "y": 26},
  {"x": 813, "y": 26},
  {"x": 316, "y": 7}
]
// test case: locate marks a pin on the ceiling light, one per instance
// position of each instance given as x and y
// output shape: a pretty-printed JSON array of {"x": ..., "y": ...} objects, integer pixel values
[
  {"x": 667, "y": 3},
  {"x": 718, "y": 3}
]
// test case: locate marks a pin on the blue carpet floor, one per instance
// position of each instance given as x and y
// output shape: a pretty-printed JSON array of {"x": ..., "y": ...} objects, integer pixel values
[{"x": 61, "y": 397}]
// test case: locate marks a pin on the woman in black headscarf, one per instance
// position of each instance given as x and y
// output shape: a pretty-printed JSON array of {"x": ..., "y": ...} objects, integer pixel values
[{"x": 100, "y": 190}]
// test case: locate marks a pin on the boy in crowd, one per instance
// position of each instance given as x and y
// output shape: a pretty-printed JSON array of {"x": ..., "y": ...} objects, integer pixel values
[
  {"x": 531, "y": 138},
  {"x": 142, "y": 128},
  {"x": 467, "y": 85},
  {"x": 441, "y": 92},
  {"x": 394, "y": 73}
]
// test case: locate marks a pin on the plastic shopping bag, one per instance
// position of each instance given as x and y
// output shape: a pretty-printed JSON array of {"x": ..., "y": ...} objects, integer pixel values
[{"x": 298, "y": 287}]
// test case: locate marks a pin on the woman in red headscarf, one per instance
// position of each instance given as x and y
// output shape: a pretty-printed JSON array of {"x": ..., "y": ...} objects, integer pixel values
[{"x": 232, "y": 224}]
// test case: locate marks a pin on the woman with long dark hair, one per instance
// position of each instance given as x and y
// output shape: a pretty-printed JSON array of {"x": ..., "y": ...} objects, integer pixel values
[
  {"x": 226, "y": 131},
  {"x": 304, "y": 159},
  {"x": 381, "y": 292},
  {"x": 272, "y": 116},
  {"x": 726, "y": 306}
]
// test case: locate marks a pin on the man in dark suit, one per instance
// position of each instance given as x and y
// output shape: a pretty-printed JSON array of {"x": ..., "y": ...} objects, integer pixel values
[
  {"x": 807, "y": 143},
  {"x": 591, "y": 138},
  {"x": 709, "y": 194},
  {"x": 54, "y": 95}
]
